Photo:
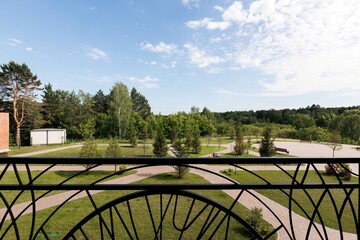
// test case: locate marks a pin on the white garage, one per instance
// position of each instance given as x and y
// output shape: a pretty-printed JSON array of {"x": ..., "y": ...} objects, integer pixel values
[{"x": 45, "y": 136}]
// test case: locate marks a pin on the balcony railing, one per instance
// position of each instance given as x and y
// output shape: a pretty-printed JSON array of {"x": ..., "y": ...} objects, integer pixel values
[{"x": 94, "y": 198}]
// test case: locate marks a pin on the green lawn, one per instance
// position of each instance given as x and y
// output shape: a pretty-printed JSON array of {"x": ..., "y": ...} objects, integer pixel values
[
  {"x": 76, "y": 210},
  {"x": 326, "y": 207},
  {"x": 207, "y": 150},
  {"x": 52, "y": 177},
  {"x": 30, "y": 149},
  {"x": 127, "y": 151},
  {"x": 215, "y": 140}
]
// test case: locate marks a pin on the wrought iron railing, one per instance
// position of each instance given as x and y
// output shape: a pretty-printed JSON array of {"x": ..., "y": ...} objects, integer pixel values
[{"x": 58, "y": 198}]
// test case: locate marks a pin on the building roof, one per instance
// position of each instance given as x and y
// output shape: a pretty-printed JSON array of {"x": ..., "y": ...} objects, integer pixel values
[{"x": 48, "y": 129}]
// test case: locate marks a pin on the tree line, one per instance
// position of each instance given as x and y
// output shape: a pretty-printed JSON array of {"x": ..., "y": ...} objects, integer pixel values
[{"x": 127, "y": 114}]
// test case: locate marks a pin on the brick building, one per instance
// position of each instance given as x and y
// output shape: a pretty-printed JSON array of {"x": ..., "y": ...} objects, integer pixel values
[{"x": 4, "y": 133}]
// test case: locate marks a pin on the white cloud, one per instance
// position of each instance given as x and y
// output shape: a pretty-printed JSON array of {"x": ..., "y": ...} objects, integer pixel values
[
  {"x": 219, "y": 8},
  {"x": 223, "y": 91},
  {"x": 300, "y": 46},
  {"x": 171, "y": 65},
  {"x": 14, "y": 42},
  {"x": 200, "y": 58},
  {"x": 29, "y": 49},
  {"x": 145, "y": 82},
  {"x": 235, "y": 13},
  {"x": 162, "y": 47},
  {"x": 207, "y": 23},
  {"x": 191, "y": 3},
  {"x": 97, "y": 54}
]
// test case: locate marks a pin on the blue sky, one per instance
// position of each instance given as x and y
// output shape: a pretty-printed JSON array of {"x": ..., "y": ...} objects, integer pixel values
[{"x": 225, "y": 55}]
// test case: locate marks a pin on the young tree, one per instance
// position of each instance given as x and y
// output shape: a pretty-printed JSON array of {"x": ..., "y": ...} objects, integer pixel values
[
  {"x": 335, "y": 142},
  {"x": 240, "y": 146},
  {"x": 267, "y": 148},
  {"x": 120, "y": 106},
  {"x": 196, "y": 141},
  {"x": 160, "y": 146},
  {"x": 180, "y": 148},
  {"x": 132, "y": 135},
  {"x": 181, "y": 170},
  {"x": 18, "y": 85},
  {"x": 113, "y": 150},
  {"x": 145, "y": 137},
  {"x": 89, "y": 149}
]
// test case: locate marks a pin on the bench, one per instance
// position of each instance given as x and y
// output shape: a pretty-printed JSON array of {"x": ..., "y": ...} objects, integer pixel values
[
  {"x": 357, "y": 148},
  {"x": 284, "y": 150},
  {"x": 215, "y": 155}
]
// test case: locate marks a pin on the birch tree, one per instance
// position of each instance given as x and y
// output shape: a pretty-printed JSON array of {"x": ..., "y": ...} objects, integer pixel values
[{"x": 120, "y": 106}]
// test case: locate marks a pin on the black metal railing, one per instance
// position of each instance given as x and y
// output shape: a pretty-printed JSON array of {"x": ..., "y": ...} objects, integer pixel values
[{"x": 100, "y": 198}]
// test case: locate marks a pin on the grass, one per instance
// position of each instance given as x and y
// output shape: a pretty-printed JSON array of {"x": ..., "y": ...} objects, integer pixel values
[
  {"x": 128, "y": 151},
  {"x": 215, "y": 140},
  {"x": 326, "y": 209},
  {"x": 233, "y": 155},
  {"x": 207, "y": 150},
  {"x": 76, "y": 210},
  {"x": 51, "y": 177},
  {"x": 30, "y": 149}
]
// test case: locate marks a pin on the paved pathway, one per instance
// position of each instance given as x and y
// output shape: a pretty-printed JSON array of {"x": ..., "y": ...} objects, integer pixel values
[{"x": 246, "y": 199}]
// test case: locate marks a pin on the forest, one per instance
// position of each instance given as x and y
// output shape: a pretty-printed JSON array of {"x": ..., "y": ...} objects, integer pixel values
[{"x": 127, "y": 114}]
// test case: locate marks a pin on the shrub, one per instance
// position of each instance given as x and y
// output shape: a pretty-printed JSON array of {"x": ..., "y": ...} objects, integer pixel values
[
  {"x": 228, "y": 171},
  {"x": 255, "y": 219},
  {"x": 122, "y": 168},
  {"x": 342, "y": 170}
]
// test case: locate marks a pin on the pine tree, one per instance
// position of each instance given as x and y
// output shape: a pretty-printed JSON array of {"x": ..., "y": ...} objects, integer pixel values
[
  {"x": 160, "y": 146},
  {"x": 267, "y": 148},
  {"x": 196, "y": 142},
  {"x": 180, "y": 148}
]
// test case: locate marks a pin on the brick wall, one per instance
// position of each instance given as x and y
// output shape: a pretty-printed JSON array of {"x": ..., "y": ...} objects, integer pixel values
[{"x": 4, "y": 133}]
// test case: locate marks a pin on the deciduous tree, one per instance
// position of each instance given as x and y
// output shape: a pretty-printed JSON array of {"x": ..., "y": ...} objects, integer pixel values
[{"x": 120, "y": 106}]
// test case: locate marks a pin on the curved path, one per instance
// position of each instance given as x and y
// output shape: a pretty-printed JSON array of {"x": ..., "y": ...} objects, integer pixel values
[{"x": 246, "y": 199}]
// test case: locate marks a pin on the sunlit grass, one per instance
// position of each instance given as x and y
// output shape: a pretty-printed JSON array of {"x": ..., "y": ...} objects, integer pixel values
[
  {"x": 327, "y": 210},
  {"x": 76, "y": 210}
]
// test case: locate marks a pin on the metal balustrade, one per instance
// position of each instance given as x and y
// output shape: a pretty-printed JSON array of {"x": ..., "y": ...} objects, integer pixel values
[{"x": 79, "y": 204}]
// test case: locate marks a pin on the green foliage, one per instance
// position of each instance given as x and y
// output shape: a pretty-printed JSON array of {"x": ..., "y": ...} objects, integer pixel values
[
  {"x": 267, "y": 148},
  {"x": 342, "y": 170},
  {"x": 87, "y": 128},
  {"x": 196, "y": 141},
  {"x": 180, "y": 148},
  {"x": 122, "y": 168},
  {"x": 132, "y": 135},
  {"x": 255, "y": 219},
  {"x": 228, "y": 171},
  {"x": 89, "y": 149},
  {"x": 140, "y": 104},
  {"x": 18, "y": 85},
  {"x": 113, "y": 150},
  {"x": 240, "y": 146},
  {"x": 120, "y": 107},
  {"x": 160, "y": 146}
]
